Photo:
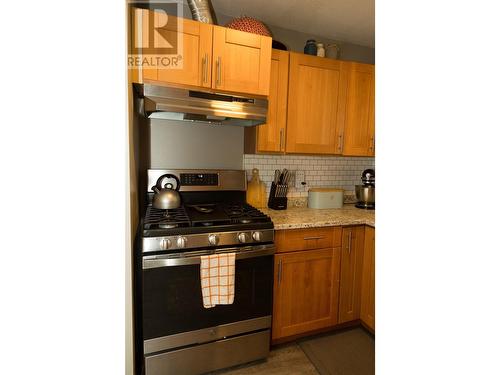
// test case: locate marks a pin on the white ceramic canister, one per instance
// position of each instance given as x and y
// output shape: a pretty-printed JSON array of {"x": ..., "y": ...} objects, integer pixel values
[{"x": 321, "y": 50}]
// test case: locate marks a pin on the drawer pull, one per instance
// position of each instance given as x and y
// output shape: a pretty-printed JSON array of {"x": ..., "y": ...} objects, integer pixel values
[{"x": 314, "y": 238}]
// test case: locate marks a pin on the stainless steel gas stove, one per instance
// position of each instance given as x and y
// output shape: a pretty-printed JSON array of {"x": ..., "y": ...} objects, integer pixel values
[{"x": 172, "y": 325}]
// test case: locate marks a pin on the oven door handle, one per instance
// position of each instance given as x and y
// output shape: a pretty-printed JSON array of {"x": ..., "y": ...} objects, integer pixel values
[{"x": 185, "y": 259}]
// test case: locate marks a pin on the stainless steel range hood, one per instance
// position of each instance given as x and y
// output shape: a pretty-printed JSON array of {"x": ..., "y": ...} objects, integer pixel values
[{"x": 172, "y": 103}]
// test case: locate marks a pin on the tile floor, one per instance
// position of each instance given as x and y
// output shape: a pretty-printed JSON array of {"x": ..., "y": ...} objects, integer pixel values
[{"x": 284, "y": 360}]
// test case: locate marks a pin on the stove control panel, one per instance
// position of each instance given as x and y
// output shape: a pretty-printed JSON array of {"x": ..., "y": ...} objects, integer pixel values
[
  {"x": 202, "y": 240},
  {"x": 199, "y": 179}
]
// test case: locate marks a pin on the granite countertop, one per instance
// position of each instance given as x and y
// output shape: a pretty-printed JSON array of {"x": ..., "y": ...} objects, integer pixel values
[{"x": 303, "y": 217}]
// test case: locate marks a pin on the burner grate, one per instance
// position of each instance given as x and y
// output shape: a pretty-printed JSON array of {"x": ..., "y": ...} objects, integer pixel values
[
  {"x": 244, "y": 214},
  {"x": 158, "y": 218}
]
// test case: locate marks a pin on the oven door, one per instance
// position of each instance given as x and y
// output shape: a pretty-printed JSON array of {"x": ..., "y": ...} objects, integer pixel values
[{"x": 172, "y": 308}]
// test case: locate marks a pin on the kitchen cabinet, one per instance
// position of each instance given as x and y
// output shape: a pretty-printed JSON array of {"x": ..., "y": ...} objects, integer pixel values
[
  {"x": 241, "y": 61},
  {"x": 195, "y": 67},
  {"x": 351, "y": 268},
  {"x": 359, "y": 122},
  {"x": 212, "y": 56},
  {"x": 306, "y": 280},
  {"x": 323, "y": 277},
  {"x": 316, "y": 104},
  {"x": 196, "y": 52},
  {"x": 270, "y": 137},
  {"x": 367, "y": 313},
  {"x": 305, "y": 291},
  {"x": 307, "y": 239}
]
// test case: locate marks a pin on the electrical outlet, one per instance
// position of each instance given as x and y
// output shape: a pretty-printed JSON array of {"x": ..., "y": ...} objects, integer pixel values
[{"x": 300, "y": 180}]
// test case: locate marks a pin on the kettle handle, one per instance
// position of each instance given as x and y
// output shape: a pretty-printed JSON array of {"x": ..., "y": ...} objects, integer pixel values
[{"x": 168, "y": 175}]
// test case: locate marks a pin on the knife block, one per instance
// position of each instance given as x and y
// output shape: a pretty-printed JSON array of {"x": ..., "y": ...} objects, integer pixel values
[{"x": 275, "y": 202}]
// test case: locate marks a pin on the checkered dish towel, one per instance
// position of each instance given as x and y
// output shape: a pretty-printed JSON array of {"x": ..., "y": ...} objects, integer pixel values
[{"x": 217, "y": 279}]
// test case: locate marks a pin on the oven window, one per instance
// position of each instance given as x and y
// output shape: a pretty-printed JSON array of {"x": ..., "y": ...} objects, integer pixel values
[{"x": 172, "y": 300}]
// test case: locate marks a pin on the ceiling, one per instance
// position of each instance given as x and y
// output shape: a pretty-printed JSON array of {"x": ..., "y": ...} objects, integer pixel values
[{"x": 350, "y": 21}]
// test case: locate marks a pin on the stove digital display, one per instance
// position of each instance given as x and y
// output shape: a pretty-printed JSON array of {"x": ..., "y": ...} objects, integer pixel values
[{"x": 198, "y": 179}]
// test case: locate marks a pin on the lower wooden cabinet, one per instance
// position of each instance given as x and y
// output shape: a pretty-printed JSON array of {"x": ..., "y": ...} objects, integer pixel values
[
  {"x": 323, "y": 277},
  {"x": 351, "y": 268},
  {"x": 305, "y": 291},
  {"x": 367, "y": 314}
]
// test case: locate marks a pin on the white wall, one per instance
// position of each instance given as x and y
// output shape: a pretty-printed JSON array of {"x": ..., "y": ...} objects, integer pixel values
[{"x": 295, "y": 40}]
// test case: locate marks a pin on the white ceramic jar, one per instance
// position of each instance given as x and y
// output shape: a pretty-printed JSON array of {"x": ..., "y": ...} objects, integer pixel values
[{"x": 321, "y": 50}]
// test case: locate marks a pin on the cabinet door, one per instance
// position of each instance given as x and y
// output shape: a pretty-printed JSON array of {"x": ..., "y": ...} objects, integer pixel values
[
  {"x": 196, "y": 52},
  {"x": 241, "y": 61},
  {"x": 140, "y": 20},
  {"x": 359, "y": 123},
  {"x": 316, "y": 101},
  {"x": 271, "y": 135},
  {"x": 351, "y": 264},
  {"x": 368, "y": 283},
  {"x": 305, "y": 291}
]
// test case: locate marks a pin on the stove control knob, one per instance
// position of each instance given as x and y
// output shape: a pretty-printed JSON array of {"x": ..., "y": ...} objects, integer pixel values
[
  {"x": 165, "y": 244},
  {"x": 181, "y": 241},
  {"x": 243, "y": 237},
  {"x": 257, "y": 236},
  {"x": 213, "y": 239}
]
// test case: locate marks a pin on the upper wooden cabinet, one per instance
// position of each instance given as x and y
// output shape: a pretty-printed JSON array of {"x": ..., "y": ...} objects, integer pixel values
[
  {"x": 196, "y": 53},
  {"x": 270, "y": 137},
  {"x": 359, "y": 123},
  {"x": 367, "y": 313},
  {"x": 351, "y": 264},
  {"x": 316, "y": 101},
  {"x": 241, "y": 61},
  {"x": 212, "y": 56}
]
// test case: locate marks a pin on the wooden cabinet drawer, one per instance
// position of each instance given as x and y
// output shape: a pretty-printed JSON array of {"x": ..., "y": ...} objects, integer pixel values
[{"x": 307, "y": 239}]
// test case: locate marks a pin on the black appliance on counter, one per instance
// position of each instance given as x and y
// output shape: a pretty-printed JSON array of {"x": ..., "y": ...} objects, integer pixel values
[{"x": 175, "y": 334}]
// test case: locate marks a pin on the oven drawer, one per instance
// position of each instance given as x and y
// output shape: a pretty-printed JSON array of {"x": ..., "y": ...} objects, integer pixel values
[
  {"x": 209, "y": 357},
  {"x": 308, "y": 239}
]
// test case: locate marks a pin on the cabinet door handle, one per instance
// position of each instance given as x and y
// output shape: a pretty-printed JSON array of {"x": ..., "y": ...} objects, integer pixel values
[
  {"x": 282, "y": 143},
  {"x": 204, "y": 68},
  {"x": 341, "y": 145},
  {"x": 314, "y": 238},
  {"x": 218, "y": 68},
  {"x": 372, "y": 143},
  {"x": 280, "y": 267}
]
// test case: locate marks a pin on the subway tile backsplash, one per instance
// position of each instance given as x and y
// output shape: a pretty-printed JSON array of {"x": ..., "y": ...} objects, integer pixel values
[{"x": 318, "y": 171}]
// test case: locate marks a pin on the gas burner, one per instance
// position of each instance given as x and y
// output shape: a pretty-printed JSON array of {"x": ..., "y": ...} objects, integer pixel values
[
  {"x": 165, "y": 219},
  {"x": 204, "y": 217},
  {"x": 203, "y": 208},
  {"x": 168, "y": 226}
]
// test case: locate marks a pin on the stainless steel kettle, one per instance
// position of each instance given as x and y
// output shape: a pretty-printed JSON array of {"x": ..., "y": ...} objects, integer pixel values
[{"x": 166, "y": 198}]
